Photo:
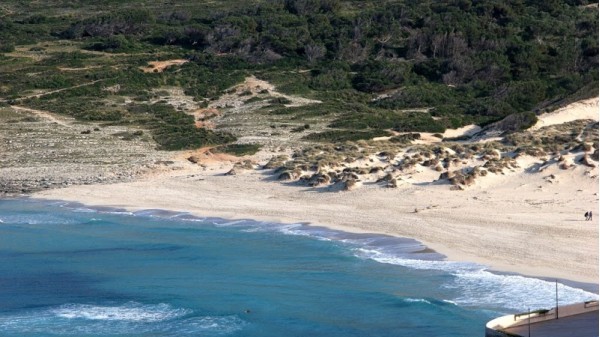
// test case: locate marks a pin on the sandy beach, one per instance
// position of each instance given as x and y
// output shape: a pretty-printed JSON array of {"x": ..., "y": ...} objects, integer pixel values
[
  {"x": 527, "y": 218},
  {"x": 516, "y": 223}
]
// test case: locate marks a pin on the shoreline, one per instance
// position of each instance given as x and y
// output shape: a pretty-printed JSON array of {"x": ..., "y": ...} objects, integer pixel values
[
  {"x": 483, "y": 226},
  {"x": 432, "y": 254}
]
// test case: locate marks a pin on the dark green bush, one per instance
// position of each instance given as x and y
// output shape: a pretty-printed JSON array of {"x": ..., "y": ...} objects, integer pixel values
[
  {"x": 336, "y": 136},
  {"x": 383, "y": 119},
  {"x": 238, "y": 149}
]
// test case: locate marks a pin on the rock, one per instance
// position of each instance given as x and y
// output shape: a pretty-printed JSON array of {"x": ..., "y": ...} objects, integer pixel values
[{"x": 193, "y": 159}]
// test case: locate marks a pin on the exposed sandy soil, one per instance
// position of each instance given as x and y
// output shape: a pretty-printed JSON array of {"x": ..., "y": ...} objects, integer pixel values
[
  {"x": 50, "y": 117},
  {"x": 586, "y": 109},
  {"x": 78, "y": 69},
  {"x": 160, "y": 66},
  {"x": 467, "y": 130}
]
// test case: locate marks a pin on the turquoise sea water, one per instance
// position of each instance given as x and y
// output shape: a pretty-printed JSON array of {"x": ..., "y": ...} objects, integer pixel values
[{"x": 67, "y": 270}]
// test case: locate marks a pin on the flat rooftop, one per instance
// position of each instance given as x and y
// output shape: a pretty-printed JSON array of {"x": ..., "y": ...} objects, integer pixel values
[{"x": 581, "y": 325}]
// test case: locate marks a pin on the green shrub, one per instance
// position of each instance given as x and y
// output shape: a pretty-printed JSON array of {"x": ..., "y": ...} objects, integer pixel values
[
  {"x": 405, "y": 138},
  {"x": 336, "y": 136},
  {"x": 238, "y": 149},
  {"x": 384, "y": 119}
]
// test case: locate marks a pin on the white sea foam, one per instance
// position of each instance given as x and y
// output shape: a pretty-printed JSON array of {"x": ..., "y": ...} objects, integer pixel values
[
  {"x": 118, "y": 212},
  {"x": 211, "y": 325},
  {"x": 36, "y": 219},
  {"x": 293, "y": 229},
  {"x": 126, "y": 319},
  {"x": 84, "y": 210},
  {"x": 228, "y": 223},
  {"x": 131, "y": 311},
  {"x": 480, "y": 287},
  {"x": 477, "y": 286},
  {"x": 416, "y": 300}
]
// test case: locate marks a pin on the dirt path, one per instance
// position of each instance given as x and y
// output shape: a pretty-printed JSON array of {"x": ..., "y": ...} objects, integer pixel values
[
  {"x": 43, "y": 114},
  {"x": 78, "y": 69},
  {"x": 54, "y": 91}
]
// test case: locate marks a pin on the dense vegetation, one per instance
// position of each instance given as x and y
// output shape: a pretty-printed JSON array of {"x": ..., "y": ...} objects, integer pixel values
[{"x": 401, "y": 65}]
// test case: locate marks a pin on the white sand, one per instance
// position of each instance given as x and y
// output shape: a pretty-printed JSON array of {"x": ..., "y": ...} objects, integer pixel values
[
  {"x": 586, "y": 109},
  {"x": 516, "y": 223},
  {"x": 467, "y": 130}
]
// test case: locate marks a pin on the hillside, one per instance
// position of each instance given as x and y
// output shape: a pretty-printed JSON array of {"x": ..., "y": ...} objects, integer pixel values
[{"x": 326, "y": 81}]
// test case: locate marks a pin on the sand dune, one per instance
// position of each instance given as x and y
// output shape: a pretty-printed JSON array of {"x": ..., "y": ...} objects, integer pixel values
[{"x": 586, "y": 109}]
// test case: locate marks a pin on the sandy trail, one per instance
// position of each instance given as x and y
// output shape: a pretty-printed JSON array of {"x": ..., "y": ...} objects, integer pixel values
[
  {"x": 55, "y": 91},
  {"x": 43, "y": 114}
]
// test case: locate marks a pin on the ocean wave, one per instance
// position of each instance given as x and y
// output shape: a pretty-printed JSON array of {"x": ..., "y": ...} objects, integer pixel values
[
  {"x": 416, "y": 300},
  {"x": 481, "y": 288},
  {"x": 383, "y": 257},
  {"x": 36, "y": 219},
  {"x": 131, "y": 311},
  {"x": 128, "y": 318},
  {"x": 300, "y": 230},
  {"x": 189, "y": 217},
  {"x": 231, "y": 223},
  {"x": 84, "y": 210}
]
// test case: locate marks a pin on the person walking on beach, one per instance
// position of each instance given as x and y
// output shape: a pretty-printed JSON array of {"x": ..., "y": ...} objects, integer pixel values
[
  {"x": 587, "y": 216},
  {"x": 590, "y": 215}
]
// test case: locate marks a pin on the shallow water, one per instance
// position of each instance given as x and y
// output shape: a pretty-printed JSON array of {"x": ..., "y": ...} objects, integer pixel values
[{"x": 68, "y": 270}]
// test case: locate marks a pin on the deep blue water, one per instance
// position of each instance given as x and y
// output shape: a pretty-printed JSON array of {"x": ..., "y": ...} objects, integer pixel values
[{"x": 66, "y": 270}]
